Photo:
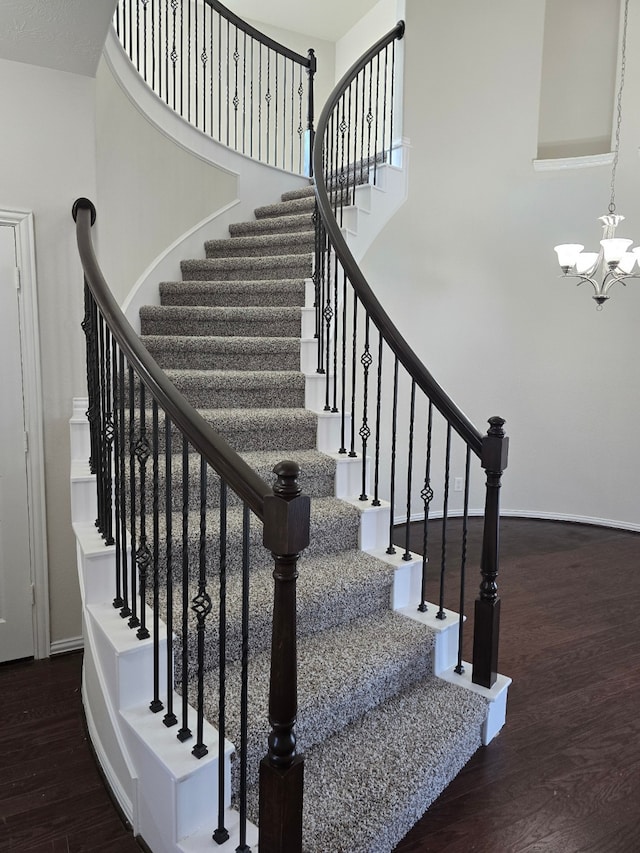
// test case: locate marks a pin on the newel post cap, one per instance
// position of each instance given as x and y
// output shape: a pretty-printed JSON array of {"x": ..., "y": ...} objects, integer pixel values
[
  {"x": 287, "y": 512},
  {"x": 495, "y": 447}
]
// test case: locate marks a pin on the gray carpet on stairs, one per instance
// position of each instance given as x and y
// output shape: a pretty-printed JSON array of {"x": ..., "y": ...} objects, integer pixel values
[{"x": 382, "y": 737}]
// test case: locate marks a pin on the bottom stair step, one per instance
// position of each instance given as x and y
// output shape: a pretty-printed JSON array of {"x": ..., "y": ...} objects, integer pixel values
[{"x": 369, "y": 784}]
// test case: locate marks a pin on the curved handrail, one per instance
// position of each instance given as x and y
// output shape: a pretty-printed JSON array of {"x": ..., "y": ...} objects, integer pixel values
[
  {"x": 405, "y": 354},
  {"x": 309, "y": 61},
  {"x": 239, "y": 476}
]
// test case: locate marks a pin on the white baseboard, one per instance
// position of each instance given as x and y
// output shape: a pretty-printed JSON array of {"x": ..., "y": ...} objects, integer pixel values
[
  {"x": 71, "y": 644},
  {"x": 518, "y": 513}
]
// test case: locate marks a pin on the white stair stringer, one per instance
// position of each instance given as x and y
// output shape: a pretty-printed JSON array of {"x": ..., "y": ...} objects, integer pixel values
[{"x": 169, "y": 796}]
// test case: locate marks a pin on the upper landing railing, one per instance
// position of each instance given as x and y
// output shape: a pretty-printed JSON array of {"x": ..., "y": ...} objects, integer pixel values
[{"x": 229, "y": 80}]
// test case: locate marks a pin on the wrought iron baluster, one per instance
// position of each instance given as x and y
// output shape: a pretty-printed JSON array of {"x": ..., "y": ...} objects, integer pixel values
[
  {"x": 251, "y": 101},
  {"x": 311, "y": 71},
  {"x": 260, "y": 101},
  {"x": 377, "y": 114},
  {"x": 174, "y": 58},
  {"x": 108, "y": 439},
  {"x": 293, "y": 107},
  {"x": 412, "y": 415},
  {"x": 138, "y": 37},
  {"x": 327, "y": 315},
  {"x": 202, "y": 608},
  {"x": 221, "y": 834},
  {"x": 427, "y": 496},
  {"x": 244, "y": 690},
  {"x": 134, "y": 622},
  {"x": 143, "y": 554},
  {"x": 236, "y": 99},
  {"x": 125, "y": 610},
  {"x": 100, "y": 425},
  {"x": 220, "y": 79},
  {"x": 463, "y": 561},
  {"x": 369, "y": 116},
  {"x": 384, "y": 103},
  {"x": 244, "y": 93},
  {"x": 445, "y": 519},
  {"x": 194, "y": 96},
  {"x": 366, "y": 360},
  {"x": 227, "y": 79},
  {"x": 376, "y": 465},
  {"x": 169, "y": 718},
  {"x": 267, "y": 98},
  {"x": 300, "y": 125},
  {"x": 334, "y": 378},
  {"x": 354, "y": 359},
  {"x": 156, "y": 705},
  {"x": 184, "y": 733},
  {"x": 275, "y": 117},
  {"x": 394, "y": 438},
  {"x": 145, "y": 3},
  {"x": 118, "y": 601},
  {"x": 343, "y": 387},
  {"x": 393, "y": 74}
]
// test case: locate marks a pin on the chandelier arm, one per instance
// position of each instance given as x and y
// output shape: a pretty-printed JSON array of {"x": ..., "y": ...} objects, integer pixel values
[{"x": 583, "y": 279}]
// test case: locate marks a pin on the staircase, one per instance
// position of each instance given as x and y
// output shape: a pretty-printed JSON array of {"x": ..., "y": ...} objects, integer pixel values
[{"x": 382, "y": 735}]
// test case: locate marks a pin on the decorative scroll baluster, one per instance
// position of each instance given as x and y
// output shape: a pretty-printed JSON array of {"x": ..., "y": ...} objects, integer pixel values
[
  {"x": 221, "y": 834},
  {"x": 236, "y": 99},
  {"x": 343, "y": 372},
  {"x": 459, "y": 668},
  {"x": 202, "y": 608},
  {"x": 486, "y": 629},
  {"x": 366, "y": 361},
  {"x": 311, "y": 70},
  {"x": 286, "y": 534},
  {"x": 327, "y": 315},
  {"x": 169, "y": 718},
  {"x": 184, "y": 733},
  {"x": 445, "y": 519},
  {"x": 267, "y": 99},
  {"x": 427, "y": 496},
  {"x": 143, "y": 554}
]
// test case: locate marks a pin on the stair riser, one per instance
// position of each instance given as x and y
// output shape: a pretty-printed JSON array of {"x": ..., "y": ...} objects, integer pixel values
[
  {"x": 229, "y": 269},
  {"x": 261, "y": 246},
  {"x": 215, "y": 297},
  {"x": 287, "y": 208},
  {"x": 180, "y": 357},
  {"x": 211, "y": 328},
  {"x": 273, "y": 225},
  {"x": 210, "y": 396}
]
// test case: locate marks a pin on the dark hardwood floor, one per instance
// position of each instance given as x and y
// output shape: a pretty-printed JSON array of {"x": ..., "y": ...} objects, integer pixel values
[{"x": 562, "y": 777}]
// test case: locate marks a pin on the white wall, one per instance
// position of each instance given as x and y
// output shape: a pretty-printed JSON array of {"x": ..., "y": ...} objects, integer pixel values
[
  {"x": 145, "y": 178},
  {"x": 372, "y": 26},
  {"x": 472, "y": 252},
  {"x": 48, "y": 159}
]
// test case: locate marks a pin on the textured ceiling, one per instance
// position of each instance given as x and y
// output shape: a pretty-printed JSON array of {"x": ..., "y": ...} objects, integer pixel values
[
  {"x": 327, "y": 19},
  {"x": 65, "y": 34}
]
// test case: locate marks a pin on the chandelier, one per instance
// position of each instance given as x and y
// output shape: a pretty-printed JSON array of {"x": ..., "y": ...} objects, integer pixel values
[{"x": 614, "y": 262}]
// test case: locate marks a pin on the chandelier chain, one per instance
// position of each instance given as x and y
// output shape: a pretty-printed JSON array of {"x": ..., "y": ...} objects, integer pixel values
[{"x": 623, "y": 65}]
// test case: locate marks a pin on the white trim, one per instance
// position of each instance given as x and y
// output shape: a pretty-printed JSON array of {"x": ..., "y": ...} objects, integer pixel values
[
  {"x": 22, "y": 221},
  {"x": 562, "y": 163},
  {"x": 521, "y": 513},
  {"x": 63, "y": 647}
]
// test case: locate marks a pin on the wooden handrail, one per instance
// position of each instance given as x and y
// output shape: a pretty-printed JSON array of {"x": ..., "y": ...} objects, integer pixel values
[
  {"x": 240, "y": 477},
  {"x": 391, "y": 334}
]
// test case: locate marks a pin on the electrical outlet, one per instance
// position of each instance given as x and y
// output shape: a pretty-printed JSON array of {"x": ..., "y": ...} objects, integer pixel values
[{"x": 457, "y": 484}]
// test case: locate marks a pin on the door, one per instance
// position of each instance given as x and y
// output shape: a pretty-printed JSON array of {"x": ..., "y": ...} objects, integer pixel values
[{"x": 16, "y": 595}]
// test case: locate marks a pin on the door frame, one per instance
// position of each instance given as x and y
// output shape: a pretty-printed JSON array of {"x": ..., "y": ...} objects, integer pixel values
[{"x": 22, "y": 222}]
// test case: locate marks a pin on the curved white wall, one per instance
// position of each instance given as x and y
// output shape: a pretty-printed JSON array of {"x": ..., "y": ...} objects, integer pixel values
[{"x": 472, "y": 252}]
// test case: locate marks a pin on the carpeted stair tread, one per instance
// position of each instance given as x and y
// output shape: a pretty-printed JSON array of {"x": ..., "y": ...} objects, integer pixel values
[
  {"x": 302, "y": 192},
  {"x": 266, "y": 293},
  {"x": 331, "y": 590},
  {"x": 287, "y": 430},
  {"x": 206, "y": 320},
  {"x": 230, "y": 352},
  {"x": 240, "y": 388},
  {"x": 368, "y": 785},
  {"x": 292, "y": 207},
  {"x": 261, "y": 245},
  {"x": 224, "y": 269},
  {"x": 334, "y": 527},
  {"x": 295, "y": 223},
  {"x": 317, "y": 475},
  {"x": 343, "y": 672}
]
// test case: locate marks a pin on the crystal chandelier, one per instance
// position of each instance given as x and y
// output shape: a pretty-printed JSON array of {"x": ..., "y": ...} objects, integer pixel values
[{"x": 614, "y": 262}]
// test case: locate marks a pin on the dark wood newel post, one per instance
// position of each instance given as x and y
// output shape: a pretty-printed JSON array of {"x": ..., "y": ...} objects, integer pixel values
[
  {"x": 286, "y": 534},
  {"x": 310, "y": 105},
  {"x": 486, "y": 629}
]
